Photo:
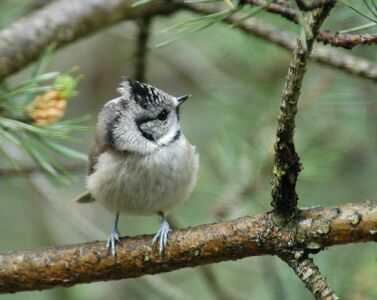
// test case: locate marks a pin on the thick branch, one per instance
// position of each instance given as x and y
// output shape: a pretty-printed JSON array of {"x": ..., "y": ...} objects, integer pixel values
[
  {"x": 312, "y": 230},
  {"x": 63, "y": 22},
  {"x": 309, "y": 274},
  {"x": 287, "y": 163},
  {"x": 330, "y": 57}
]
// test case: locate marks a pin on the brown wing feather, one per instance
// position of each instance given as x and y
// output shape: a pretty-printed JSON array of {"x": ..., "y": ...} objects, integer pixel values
[
  {"x": 100, "y": 146},
  {"x": 97, "y": 149}
]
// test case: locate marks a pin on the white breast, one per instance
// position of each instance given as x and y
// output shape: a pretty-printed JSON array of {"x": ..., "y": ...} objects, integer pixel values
[{"x": 145, "y": 184}]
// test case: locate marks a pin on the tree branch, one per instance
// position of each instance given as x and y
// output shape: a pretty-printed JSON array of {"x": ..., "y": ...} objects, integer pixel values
[
  {"x": 264, "y": 234},
  {"x": 287, "y": 162},
  {"x": 309, "y": 274},
  {"x": 329, "y": 57},
  {"x": 63, "y": 22},
  {"x": 347, "y": 41},
  {"x": 336, "y": 39}
]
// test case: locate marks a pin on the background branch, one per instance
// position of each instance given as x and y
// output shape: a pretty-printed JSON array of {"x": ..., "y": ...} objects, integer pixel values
[
  {"x": 263, "y": 234},
  {"x": 63, "y": 22},
  {"x": 347, "y": 41},
  {"x": 336, "y": 39},
  {"x": 309, "y": 274},
  {"x": 144, "y": 26},
  {"x": 330, "y": 57}
]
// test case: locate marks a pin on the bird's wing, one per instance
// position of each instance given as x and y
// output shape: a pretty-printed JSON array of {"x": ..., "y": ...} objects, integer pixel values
[
  {"x": 95, "y": 152},
  {"x": 100, "y": 146}
]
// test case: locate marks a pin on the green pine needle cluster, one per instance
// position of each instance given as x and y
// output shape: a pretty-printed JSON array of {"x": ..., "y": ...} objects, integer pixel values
[{"x": 42, "y": 143}]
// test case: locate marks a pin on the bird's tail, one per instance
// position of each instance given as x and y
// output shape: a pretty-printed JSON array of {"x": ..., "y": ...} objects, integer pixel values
[{"x": 84, "y": 198}]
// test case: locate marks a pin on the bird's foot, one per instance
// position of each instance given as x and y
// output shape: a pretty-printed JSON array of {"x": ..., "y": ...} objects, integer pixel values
[
  {"x": 162, "y": 235},
  {"x": 112, "y": 241}
]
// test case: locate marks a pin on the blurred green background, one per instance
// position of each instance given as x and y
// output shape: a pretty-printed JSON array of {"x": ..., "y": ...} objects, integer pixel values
[{"x": 236, "y": 81}]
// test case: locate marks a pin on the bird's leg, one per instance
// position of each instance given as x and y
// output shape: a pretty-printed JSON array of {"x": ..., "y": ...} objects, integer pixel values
[
  {"x": 162, "y": 233},
  {"x": 114, "y": 237}
]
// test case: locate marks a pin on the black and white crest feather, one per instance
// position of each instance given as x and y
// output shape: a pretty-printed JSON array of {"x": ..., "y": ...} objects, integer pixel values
[{"x": 143, "y": 94}]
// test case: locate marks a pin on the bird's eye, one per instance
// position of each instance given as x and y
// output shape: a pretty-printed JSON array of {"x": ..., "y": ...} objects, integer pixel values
[{"x": 163, "y": 115}]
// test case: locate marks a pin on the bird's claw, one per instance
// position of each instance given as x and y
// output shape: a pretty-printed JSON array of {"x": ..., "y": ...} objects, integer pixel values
[
  {"x": 112, "y": 241},
  {"x": 162, "y": 235}
]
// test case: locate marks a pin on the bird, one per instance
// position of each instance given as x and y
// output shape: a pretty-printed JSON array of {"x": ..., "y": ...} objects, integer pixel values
[{"x": 140, "y": 162}]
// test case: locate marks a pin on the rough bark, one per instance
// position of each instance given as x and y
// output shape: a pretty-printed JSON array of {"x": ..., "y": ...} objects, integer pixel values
[
  {"x": 287, "y": 162},
  {"x": 265, "y": 234},
  {"x": 63, "y": 22},
  {"x": 309, "y": 274},
  {"x": 347, "y": 41}
]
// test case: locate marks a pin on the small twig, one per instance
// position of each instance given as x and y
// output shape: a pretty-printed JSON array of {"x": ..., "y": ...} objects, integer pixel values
[
  {"x": 308, "y": 272},
  {"x": 285, "y": 11},
  {"x": 144, "y": 25},
  {"x": 347, "y": 41}
]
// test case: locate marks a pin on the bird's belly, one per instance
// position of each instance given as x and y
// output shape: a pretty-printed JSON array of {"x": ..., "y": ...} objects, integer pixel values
[{"x": 156, "y": 183}]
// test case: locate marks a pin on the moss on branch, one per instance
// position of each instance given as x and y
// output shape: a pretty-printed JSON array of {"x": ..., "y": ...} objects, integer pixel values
[{"x": 287, "y": 162}]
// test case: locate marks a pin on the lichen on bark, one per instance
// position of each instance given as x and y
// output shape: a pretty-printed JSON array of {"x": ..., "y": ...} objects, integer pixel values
[{"x": 287, "y": 162}]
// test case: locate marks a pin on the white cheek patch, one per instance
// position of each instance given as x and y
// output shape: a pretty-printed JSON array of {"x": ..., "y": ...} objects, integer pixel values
[{"x": 169, "y": 136}]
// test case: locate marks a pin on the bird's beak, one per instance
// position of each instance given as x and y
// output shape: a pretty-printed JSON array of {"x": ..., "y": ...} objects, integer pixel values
[{"x": 182, "y": 99}]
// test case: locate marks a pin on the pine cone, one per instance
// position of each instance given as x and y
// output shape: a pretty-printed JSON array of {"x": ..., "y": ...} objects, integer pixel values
[{"x": 47, "y": 108}]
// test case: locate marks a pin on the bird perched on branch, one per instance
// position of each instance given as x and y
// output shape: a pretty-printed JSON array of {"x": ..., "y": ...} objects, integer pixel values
[{"x": 141, "y": 163}]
